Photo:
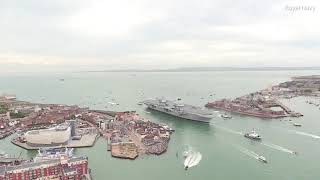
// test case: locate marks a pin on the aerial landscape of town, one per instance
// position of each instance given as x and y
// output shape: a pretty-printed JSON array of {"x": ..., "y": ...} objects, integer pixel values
[
  {"x": 170, "y": 89},
  {"x": 55, "y": 129},
  {"x": 51, "y": 125}
]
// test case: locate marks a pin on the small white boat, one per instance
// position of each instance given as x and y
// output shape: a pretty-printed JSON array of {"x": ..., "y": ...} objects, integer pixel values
[
  {"x": 112, "y": 103},
  {"x": 297, "y": 124},
  {"x": 226, "y": 116},
  {"x": 253, "y": 135},
  {"x": 262, "y": 159},
  {"x": 140, "y": 103}
]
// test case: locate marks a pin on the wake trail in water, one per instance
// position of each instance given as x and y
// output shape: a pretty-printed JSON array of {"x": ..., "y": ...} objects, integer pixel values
[
  {"x": 192, "y": 159},
  {"x": 299, "y": 133},
  {"x": 279, "y": 148},
  {"x": 228, "y": 130},
  {"x": 196, "y": 160},
  {"x": 307, "y": 134},
  {"x": 248, "y": 152}
]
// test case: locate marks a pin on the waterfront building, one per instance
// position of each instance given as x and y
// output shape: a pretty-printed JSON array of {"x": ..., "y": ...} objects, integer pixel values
[
  {"x": 71, "y": 168},
  {"x": 56, "y": 136}
]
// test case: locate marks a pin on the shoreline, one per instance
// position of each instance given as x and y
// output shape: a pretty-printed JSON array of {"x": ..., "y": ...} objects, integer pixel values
[
  {"x": 130, "y": 135},
  {"x": 265, "y": 103}
]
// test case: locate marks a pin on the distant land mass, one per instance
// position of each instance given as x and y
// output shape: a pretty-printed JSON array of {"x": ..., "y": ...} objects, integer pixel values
[{"x": 199, "y": 69}]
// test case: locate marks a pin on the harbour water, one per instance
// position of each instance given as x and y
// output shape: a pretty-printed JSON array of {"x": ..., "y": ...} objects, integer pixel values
[{"x": 226, "y": 154}]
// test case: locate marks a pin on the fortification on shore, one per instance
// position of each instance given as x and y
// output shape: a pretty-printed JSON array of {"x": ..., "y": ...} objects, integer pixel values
[{"x": 266, "y": 103}]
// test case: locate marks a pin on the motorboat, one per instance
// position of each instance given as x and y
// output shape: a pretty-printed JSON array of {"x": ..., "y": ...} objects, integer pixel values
[
  {"x": 252, "y": 135},
  {"x": 297, "y": 124},
  {"x": 262, "y": 159},
  {"x": 226, "y": 116}
]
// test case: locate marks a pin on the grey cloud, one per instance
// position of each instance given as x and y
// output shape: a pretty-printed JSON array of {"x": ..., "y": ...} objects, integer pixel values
[{"x": 37, "y": 28}]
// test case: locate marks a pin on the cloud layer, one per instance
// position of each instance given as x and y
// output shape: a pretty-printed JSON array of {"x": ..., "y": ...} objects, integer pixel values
[{"x": 144, "y": 34}]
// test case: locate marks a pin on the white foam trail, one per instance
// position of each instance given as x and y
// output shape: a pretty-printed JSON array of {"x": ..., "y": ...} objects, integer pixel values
[
  {"x": 196, "y": 160},
  {"x": 277, "y": 147},
  {"x": 192, "y": 159},
  {"x": 228, "y": 130},
  {"x": 307, "y": 134},
  {"x": 300, "y": 133},
  {"x": 248, "y": 152},
  {"x": 187, "y": 160}
]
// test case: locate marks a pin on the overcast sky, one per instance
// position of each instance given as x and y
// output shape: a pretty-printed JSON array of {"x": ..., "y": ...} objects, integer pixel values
[{"x": 42, "y": 35}]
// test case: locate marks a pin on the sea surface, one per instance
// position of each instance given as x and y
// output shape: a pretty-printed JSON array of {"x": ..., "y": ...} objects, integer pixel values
[{"x": 226, "y": 154}]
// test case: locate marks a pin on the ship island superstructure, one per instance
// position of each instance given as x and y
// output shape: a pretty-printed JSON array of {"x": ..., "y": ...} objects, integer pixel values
[{"x": 180, "y": 110}]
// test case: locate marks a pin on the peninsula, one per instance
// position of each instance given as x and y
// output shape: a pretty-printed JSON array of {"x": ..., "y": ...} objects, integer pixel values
[
  {"x": 55, "y": 125},
  {"x": 266, "y": 104}
]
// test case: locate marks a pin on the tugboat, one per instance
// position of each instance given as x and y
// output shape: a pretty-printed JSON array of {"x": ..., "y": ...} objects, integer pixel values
[
  {"x": 252, "y": 135},
  {"x": 262, "y": 159}
]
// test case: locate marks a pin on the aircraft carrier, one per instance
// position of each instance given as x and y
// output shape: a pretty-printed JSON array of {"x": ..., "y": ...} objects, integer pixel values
[{"x": 179, "y": 110}]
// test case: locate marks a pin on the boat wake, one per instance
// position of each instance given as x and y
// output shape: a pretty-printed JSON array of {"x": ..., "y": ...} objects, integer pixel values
[
  {"x": 301, "y": 133},
  {"x": 248, "y": 152},
  {"x": 279, "y": 148},
  {"x": 307, "y": 134},
  {"x": 192, "y": 159},
  {"x": 228, "y": 130}
]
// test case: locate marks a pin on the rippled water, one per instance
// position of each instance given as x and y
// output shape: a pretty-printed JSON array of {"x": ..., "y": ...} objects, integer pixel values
[{"x": 218, "y": 142}]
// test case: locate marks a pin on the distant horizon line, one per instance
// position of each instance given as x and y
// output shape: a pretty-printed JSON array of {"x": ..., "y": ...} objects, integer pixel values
[{"x": 206, "y": 69}]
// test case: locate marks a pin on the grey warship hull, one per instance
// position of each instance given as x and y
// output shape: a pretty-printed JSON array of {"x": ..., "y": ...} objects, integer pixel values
[{"x": 186, "y": 111}]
